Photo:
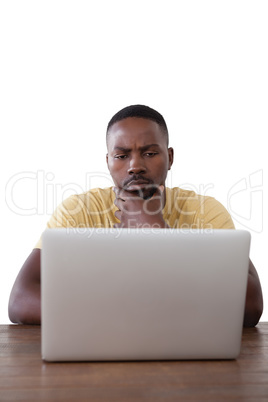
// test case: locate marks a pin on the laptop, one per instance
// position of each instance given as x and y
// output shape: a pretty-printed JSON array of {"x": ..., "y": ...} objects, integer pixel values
[{"x": 143, "y": 294}]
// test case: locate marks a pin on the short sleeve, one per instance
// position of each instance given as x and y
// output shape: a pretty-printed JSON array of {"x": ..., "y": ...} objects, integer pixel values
[
  {"x": 212, "y": 214},
  {"x": 70, "y": 213},
  {"x": 94, "y": 208}
]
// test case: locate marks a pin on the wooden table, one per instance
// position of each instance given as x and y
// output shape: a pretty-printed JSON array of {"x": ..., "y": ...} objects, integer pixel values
[{"x": 25, "y": 377}]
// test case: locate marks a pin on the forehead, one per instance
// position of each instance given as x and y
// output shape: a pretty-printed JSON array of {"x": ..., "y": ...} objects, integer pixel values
[{"x": 135, "y": 131}]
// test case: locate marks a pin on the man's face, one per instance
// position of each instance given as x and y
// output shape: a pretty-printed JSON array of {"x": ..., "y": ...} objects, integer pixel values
[{"x": 138, "y": 157}]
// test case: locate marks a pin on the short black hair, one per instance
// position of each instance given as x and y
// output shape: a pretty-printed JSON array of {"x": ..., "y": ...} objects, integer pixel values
[{"x": 139, "y": 111}]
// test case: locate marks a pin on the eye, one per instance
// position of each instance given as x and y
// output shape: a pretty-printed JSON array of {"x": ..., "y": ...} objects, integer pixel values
[
  {"x": 120, "y": 156},
  {"x": 150, "y": 154}
]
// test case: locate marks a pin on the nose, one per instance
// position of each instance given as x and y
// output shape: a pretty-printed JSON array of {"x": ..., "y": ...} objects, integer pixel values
[{"x": 136, "y": 166}]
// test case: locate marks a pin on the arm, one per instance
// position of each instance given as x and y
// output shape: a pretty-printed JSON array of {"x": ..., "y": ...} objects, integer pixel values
[
  {"x": 218, "y": 217},
  {"x": 254, "y": 301},
  {"x": 24, "y": 302}
]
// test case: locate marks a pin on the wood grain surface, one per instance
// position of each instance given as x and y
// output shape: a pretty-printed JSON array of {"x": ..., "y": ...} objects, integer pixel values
[{"x": 25, "y": 377}]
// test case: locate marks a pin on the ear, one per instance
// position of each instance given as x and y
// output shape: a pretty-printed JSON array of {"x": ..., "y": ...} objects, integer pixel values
[
  {"x": 170, "y": 157},
  {"x": 107, "y": 161}
]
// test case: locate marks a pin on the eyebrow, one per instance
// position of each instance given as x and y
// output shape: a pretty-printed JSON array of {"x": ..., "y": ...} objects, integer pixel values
[{"x": 144, "y": 148}]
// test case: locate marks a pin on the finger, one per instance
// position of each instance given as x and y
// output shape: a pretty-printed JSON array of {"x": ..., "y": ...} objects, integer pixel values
[
  {"x": 129, "y": 195},
  {"x": 154, "y": 205},
  {"x": 120, "y": 204},
  {"x": 161, "y": 188},
  {"x": 159, "y": 194},
  {"x": 116, "y": 191},
  {"x": 116, "y": 201},
  {"x": 118, "y": 225},
  {"x": 118, "y": 215},
  {"x": 119, "y": 193}
]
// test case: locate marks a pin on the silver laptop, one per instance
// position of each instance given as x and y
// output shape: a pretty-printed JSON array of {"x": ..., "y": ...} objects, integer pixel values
[{"x": 147, "y": 294}]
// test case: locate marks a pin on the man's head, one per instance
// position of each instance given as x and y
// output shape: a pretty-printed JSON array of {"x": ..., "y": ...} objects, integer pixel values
[
  {"x": 142, "y": 112},
  {"x": 138, "y": 156}
]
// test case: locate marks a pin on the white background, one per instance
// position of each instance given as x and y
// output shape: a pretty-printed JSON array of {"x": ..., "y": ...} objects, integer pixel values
[{"x": 67, "y": 67}]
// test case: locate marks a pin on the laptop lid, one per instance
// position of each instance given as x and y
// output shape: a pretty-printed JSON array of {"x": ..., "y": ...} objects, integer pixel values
[{"x": 129, "y": 294}]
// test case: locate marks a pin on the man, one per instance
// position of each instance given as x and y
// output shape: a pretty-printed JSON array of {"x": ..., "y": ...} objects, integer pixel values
[{"x": 138, "y": 159}]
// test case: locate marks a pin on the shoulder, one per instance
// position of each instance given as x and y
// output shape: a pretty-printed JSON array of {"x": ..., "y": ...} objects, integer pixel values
[
  {"x": 93, "y": 198},
  {"x": 93, "y": 208},
  {"x": 79, "y": 208},
  {"x": 200, "y": 209},
  {"x": 215, "y": 214},
  {"x": 183, "y": 200},
  {"x": 189, "y": 198}
]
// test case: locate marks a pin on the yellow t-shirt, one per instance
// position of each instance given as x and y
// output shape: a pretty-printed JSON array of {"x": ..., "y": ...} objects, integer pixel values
[{"x": 183, "y": 209}]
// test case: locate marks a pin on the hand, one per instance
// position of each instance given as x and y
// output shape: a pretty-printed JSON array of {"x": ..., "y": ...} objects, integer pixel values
[{"x": 135, "y": 211}]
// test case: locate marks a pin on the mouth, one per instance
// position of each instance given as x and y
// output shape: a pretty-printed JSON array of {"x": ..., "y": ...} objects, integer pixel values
[{"x": 134, "y": 185}]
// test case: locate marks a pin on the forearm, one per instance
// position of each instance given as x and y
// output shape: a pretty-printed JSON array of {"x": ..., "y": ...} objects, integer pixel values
[
  {"x": 24, "y": 302},
  {"x": 254, "y": 300},
  {"x": 25, "y": 307}
]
